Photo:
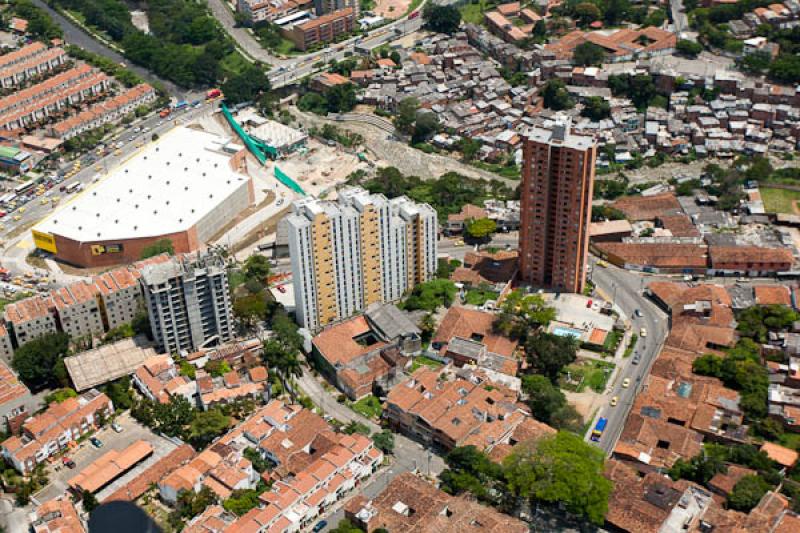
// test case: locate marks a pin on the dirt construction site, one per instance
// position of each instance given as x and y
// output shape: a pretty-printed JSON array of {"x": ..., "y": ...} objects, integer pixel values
[{"x": 316, "y": 167}]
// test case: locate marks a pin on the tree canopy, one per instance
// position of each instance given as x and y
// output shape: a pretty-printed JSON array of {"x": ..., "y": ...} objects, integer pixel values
[
  {"x": 596, "y": 108},
  {"x": 480, "y": 229},
  {"x": 521, "y": 314},
  {"x": 40, "y": 362},
  {"x": 747, "y": 492},
  {"x": 431, "y": 295},
  {"x": 441, "y": 19},
  {"x": 555, "y": 95},
  {"x": 587, "y": 54},
  {"x": 561, "y": 469},
  {"x": 548, "y": 353},
  {"x": 246, "y": 86}
]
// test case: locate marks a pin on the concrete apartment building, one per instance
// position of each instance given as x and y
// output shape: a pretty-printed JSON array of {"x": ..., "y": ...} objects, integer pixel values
[
  {"x": 557, "y": 181},
  {"x": 322, "y": 29},
  {"x": 188, "y": 302},
  {"x": 118, "y": 295},
  {"x": 358, "y": 251},
  {"x": 323, "y": 7},
  {"x": 77, "y": 311},
  {"x": 268, "y": 10},
  {"x": 6, "y": 348},
  {"x": 28, "y": 319}
]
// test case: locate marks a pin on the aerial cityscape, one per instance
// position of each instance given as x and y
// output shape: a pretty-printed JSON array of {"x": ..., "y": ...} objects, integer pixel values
[{"x": 383, "y": 266}]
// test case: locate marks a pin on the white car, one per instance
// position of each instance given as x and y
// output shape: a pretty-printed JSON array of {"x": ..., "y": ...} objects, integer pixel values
[
  {"x": 116, "y": 427},
  {"x": 643, "y": 332}
]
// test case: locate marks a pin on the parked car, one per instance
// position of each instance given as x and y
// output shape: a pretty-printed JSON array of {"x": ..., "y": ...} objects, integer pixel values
[
  {"x": 116, "y": 427},
  {"x": 638, "y": 313},
  {"x": 97, "y": 443},
  {"x": 319, "y": 526},
  {"x": 69, "y": 463},
  {"x": 281, "y": 288}
]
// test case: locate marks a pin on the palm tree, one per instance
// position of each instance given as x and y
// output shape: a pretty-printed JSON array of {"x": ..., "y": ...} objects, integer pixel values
[{"x": 289, "y": 368}]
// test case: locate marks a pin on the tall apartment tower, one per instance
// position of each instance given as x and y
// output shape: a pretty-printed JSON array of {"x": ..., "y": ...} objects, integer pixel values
[
  {"x": 188, "y": 302},
  {"x": 359, "y": 250},
  {"x": 556, "y": 207}
]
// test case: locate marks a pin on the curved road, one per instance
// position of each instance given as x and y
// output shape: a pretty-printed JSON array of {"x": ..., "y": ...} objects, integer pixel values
[
  {"x": 75, "y": 35},
  {"x": 625, "y": 288}
]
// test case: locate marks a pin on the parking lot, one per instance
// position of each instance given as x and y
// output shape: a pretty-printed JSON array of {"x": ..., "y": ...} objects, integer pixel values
[{"x": 86, "y": 453}]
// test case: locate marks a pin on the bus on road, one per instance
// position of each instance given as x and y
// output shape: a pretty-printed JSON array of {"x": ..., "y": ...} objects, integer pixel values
[
  {"x": 25, "y": 187},
  {"x": 73, "y": 187},
  {"x": 597, "y": 432}
]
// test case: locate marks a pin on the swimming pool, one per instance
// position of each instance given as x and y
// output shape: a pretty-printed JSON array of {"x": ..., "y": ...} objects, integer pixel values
[{"x": 563, "y": 331}]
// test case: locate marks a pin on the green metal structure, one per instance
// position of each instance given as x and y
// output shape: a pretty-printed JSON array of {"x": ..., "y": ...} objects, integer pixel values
[{"x": 260, "y": 150}]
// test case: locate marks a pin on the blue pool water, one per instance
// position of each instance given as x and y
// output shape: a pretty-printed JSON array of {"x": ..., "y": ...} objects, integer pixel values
[{"x": 563, "y": 331}]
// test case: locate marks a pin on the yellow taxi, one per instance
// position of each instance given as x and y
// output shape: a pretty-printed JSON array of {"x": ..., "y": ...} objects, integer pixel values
[
  {"x": 21, "y": 209},
  {"x": 44, "y": 201},
  {"x": 17, "y": 217}
]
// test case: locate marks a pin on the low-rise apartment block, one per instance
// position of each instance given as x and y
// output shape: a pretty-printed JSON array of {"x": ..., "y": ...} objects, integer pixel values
[
  {"x": 29, "y": 318},
  {"x": 119, "y": 297},
  {"x": 361, "y": 250},
  {"x": 233, "y": 385},
  {"x": 76, "y": 310},
  {"x": 256, "y": 11},
  {"x": 109, "y": 110},
  {"x": 29, "y": 61},
  {"x": 47, "y": 433},
  {"x": 57, "y": 516},
  {"x": 323, "y": 29}
]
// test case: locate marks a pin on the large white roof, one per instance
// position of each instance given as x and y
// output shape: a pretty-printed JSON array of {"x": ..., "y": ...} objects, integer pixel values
[{"x": 165, "y": 188}]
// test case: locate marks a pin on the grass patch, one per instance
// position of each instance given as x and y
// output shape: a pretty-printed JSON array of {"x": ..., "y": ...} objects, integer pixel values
[
  {"x": 368, "y": 407},
  {"x": 421, "y": 360},
  {"x": 233, "y": 63},
  {"x": 473, "y": 12},
  {"x": 779, "y": 200},
  {"x": 790, "y": 440},
  {"x": 582, "y": 374},
  {"x": 612, "y": 341},
  {"x": 235, "y": 278},
  {"x": 511, "y": 172},
  {"x": 480, "y": 296},
  {"x": 631, "y": 345}
]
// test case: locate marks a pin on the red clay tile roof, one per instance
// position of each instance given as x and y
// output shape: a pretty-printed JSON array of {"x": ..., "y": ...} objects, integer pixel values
[
  {"x": 772, "y": 295},
  {"x": 648, "y": 207},
  {"x": 780, "y": 454},
  {"x": 658, "y": 255},
  {"x": 475, "y": 325},
  {"x": 337, "y": 344},
  {"x": 723, "y": 257}
]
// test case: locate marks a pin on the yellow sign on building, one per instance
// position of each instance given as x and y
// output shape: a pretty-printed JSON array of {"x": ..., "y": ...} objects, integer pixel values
[{"x": 44, "y": 241}]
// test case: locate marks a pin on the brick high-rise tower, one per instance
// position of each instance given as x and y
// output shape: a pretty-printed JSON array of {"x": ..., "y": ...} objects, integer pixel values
[{"x": 556, "y": 207}]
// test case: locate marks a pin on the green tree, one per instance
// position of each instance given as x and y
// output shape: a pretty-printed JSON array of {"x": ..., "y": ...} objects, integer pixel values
[
  {"x": 161, "y": 246},
  {"x": 562, "y": 469},
  {"x": 555, "y": 95},
  {"x": 40, "y": 361},
  {"x": 470, "y": 470},
  {"x": 469, "y": 148},
  {"x": 120, "y": 393},
  {"x": 384, "y": 441},
  {"x": 250, "y": 309},
  {"x": 59, "y": 395},
  {"x": 431, "y": 295},
  {"x": 755, "y": 63},
  {"x": 548, "y": 354},
  {"x": 747, "y": 492},
  {"x": 257, "y": 267},
  {"x": 89, "y": 500},
  {"x": 217, "y": 367},
  {"x": 241, "y": 501},
  {"x": 587, "y": 54},
  {"x": 260, "y": 464},
  {"x": 426, "y": 125},
  {"x": 596, "y": 108},
  {"x": 206, "y": 426},
  {"x": 521, "y": 314},
  {"x": 688, "y": 48},
  {"x": 785, "y": 69},
  {"x": 586, "y": 12},
  {"x": 406, "y": 115},
  {"x": 341, "y": 98},
  {"x": 544, "y": 398},
  {"x": 246, "y": 86},
  {"x": 480, "y": 229},
  {"x": 442, "y": 19},
  {"x": 356, "y": 427},
  {"x": 313, "y": 102},
  {"x": 346, "y": 526}
]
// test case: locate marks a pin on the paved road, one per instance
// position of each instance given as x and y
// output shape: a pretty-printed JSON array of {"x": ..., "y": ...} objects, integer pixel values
[
  {"x": 625, "y": 289},
  {"x": 679, "y": 17},
  {"x": 408, "y": 455},
  {"x": 75, "y": 35}
]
